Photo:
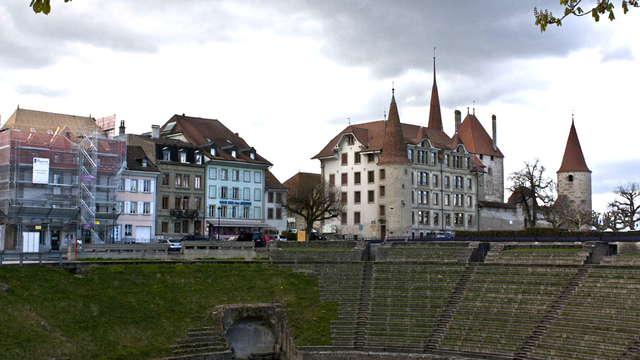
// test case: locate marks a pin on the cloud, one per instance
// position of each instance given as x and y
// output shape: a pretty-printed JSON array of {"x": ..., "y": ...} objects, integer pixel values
[
  {"x": 617, "y": 54},
  {"x": 612, "y": 173},
  {"x": 27, "y": 89}
]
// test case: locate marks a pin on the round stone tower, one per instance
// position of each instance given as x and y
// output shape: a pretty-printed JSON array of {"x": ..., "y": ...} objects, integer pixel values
[{"x": 574, "y": 177}]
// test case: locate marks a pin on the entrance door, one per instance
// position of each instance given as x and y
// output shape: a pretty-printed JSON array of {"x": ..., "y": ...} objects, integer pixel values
[
  {"x": 383, "y": 231},
  {"x": 31, "y": 241}
]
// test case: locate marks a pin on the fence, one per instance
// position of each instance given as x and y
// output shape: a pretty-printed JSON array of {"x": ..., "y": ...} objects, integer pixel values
[{"x": 22, "y": 258}]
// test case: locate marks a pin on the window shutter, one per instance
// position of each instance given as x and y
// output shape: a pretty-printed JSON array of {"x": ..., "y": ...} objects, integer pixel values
[
  {"x": 140, "y": 205},
  {"x": 127, "y": 185},
  {"x": 127, "y": 207}
]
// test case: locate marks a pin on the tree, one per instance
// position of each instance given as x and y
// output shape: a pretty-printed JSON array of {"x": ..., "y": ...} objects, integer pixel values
[
  {"x": 533, "y": 189},
  {"x": 42, "y": 6},
  {"x": 313, "y": 199},
  {"x": 572, "y": 7},
  {"x": 625, "y": 208}
]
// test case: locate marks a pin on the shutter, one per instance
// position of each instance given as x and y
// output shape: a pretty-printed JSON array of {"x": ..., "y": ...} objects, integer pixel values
[
  {"x": 140, "y": 207},
  {"x": 152, "y": 187},
  {"x": 127, "y": 185},
  {"x": 151, "y": 208},
  {"x": 127, "y": 207}
]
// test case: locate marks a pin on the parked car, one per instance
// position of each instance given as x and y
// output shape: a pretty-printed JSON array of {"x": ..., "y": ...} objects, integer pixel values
[
  {"x": 282, "y": 238},
  {"x": 444, "y": 235},
  {"x": 175, "y": 244},
  {"x": 315, "y": 236},
  {"x": 256, "y": 237},
  {"x": 194, "y": 237},
  {"x": 268, "y": 238}
]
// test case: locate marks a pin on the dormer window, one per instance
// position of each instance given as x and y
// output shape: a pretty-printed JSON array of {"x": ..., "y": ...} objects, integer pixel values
[
  {"x": 183, "y": 156},
  {"x": 144, "y": 162},
  {"x": 198, "y": 158},
  {"x": 166, "y": 154},
  {"x": 253, "y": 156},
  {"x": 213, "y": 152},
  {"x": 233, "y": 153},
  {"x": 350, "y": 140}
]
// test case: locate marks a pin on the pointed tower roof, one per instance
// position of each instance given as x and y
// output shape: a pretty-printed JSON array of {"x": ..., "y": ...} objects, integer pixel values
[
  {"x": 573, "y": 159},
  {"x": 394, "y": 148},
  {"x": 435, "y": 117}
]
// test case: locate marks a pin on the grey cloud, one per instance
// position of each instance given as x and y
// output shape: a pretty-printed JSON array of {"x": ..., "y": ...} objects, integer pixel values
[
  {"x": 606, "y": 176},
  {"x": 617, "y": 54},
  {"x": 29, "y": 89}
]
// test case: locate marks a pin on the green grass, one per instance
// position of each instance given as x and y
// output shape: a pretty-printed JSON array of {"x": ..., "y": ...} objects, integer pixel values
[
  {"x": 317, "y": 248},
  {"x": 138, "y": 311}
]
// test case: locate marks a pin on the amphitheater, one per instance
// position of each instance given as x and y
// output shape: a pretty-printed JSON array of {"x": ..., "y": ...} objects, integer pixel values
[{"x": 470, "y": 299}]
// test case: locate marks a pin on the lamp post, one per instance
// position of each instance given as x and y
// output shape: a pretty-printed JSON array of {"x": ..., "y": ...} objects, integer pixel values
[{"x": 218, "y": 231}]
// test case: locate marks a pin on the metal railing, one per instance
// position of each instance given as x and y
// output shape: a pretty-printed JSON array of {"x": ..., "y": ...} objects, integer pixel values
[{"x": 22, "y": 258}]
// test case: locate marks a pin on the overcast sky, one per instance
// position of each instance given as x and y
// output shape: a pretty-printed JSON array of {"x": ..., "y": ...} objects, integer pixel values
[{"x": 288, "y": 74}]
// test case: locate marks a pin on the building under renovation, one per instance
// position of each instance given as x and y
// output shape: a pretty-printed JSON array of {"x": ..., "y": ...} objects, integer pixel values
[{"x": 58, "y": 181}]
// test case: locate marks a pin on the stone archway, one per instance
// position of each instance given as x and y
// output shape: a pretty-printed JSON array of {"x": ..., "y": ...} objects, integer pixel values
[{"x": 255, "y": 329}]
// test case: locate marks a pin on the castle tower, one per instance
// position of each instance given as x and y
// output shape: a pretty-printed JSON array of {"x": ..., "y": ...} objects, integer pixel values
[
  {"x": 394, "y": 174},
  {"x": 574, "y": 177},
  {"x": 435, "y": 116}
]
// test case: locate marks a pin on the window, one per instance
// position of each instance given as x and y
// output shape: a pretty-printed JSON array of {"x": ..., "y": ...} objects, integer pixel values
[
  {"x": 166, "y": 155},
  {"x": 343, "y": 197},
  {"x": 447, "y": 219},
  {"x": 356, "y": 197},
  {"x": 146, "y": 186},
  {"x": 279, "y": 213},
  {"x": 120, "y": 207},
  {"x": 257, "y": 177},
  {"x": 121, "y": 185},
  {"x": 469, "y": 201},
  {"x": 234, "y": 154},
  {"x": 467, "y": 163},
  {"x": 222, "y": 211},
  {"x": 332, "y": 179},
  {"x": 446, "y": 199},
  {"x": 224, "y": 194},
  {"x": 185, "y": 181},
  {"x": 128, "y": 230},
  {"x": 224, "y": 174},
  {"x": 371, "y": 177},
  {"x": 356, "y": 218},
  {"x": 185, "y": 226},
  {"x": 246, "y": 176},
  {"x": 490, "y": 171},
  {"x": 235, "y": 193},
  {"x": 381, "y": 210},
  {"x": 212, "y": 211},
  {"x": 343, "y": 218},
  {"x": 432, "y": 158},
  {"x": 198, "y": 158},
  {"x": 134, "y": 185},
  {"x": 270, "y": 197},
  {"x": 185, "y": 203},
  {"x": 270, "y": 213},
  {"x": 164, "y": 227},
  {"x": 344, "y": 179},
  {"x": 570, "y": 177},
  {"x": 235, "y": 175},
  {"x": 279, "y": 198},
  {"x": 177, "y": 203},
  {"x": 469, "y": 184},
  {"x": 212, "y": 191},
  {"x": 370, "y": 158},
  {"x": 257, "y": 194},
  {"x": 213, "y": 173},
  {"x": 356, "y": 178},
  {"x": 177, "y": 227},
  {"x": 436, "y": 219},
  {"x": 146, "y": 208},
  {"x": 183, "y": 156},
  {"x": 133, "y": 207},
  {"x": 382, "y": 174},
  {"x": 345, "y": 159},
  {"x": 197, "y": 182},
  {"x": 357, "y": 158},
  {"x": 470, "y": 220},
  {"x": 410, "y": 155},
  {"x": 165, "y": 179},
  {"x": 447, "y": 182},
  {"x": 246, "y": 194},
  {"x": 257, "y": 213},
  {"x": 435, "y": 198},
  {"x": 370, "y": 196},
  {"x": 435, "y": 181},
  {"x": 458, "y": 199},
  {"x": 382, "y": 191},
  {"x": 446, "y": 159},
  {"x": 165, "y": 202},
  {"x": 197, "y": 203},
  {"x": 178, "y": 181},
  {"x": 350, "y": 140},
  {"x": 144, "y": 162},
  {"x": 245, "y": 212}
]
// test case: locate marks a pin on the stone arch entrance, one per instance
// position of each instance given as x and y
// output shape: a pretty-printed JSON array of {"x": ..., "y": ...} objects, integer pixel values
[
  {"x": 251, "y": 335},
  {"x": 255, "y": 330}
]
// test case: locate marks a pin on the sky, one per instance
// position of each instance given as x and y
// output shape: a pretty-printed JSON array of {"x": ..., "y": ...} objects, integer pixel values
[{"x": 289, "y": 75}]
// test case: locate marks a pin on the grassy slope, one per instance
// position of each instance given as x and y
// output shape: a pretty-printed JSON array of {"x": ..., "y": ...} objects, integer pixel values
[{"x": 138, "y": 311}]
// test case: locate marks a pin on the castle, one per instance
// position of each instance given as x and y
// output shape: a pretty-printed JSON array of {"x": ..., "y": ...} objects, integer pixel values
[{"x": 402, "y": 180}]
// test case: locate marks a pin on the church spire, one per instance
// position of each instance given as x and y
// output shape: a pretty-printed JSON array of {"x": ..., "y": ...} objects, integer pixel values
[
  {"x": 394, "y": 148},
  {"x": 435, "y": 117},
  {"x": 573, "y": 159}
]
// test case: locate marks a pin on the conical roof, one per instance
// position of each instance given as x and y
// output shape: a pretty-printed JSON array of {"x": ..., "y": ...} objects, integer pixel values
[
  {"x": 435, "y": 116},
  {"x": 394, "y": 148},
  {"x": 573, "y": 159}
]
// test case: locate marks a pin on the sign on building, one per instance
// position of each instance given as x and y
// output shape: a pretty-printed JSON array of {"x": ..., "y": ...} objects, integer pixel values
[{"x": 40, "y": 171}]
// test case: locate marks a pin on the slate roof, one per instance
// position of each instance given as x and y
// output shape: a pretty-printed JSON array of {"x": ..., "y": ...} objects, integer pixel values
[
  {"x": 475, "y": 137},
  {"x": 210, "y": 132},
  {"x": 135, "y": 154},
  {"x": 58, "y": 124},
  {"x": 573, "y": 159}
]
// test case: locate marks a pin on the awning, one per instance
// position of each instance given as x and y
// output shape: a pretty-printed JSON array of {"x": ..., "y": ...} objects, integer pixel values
[{"x": 238, "y": 223}]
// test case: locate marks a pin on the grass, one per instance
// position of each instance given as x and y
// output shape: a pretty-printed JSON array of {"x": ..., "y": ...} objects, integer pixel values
[
  {"x": 138, "y": 311},
  {"x": 316, "y": 248}
]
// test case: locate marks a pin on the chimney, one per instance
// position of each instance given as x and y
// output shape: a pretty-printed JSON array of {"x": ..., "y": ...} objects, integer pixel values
[
  {"x": 458, "y": 119},
  {"x": 495, "y": 133},
  {"x": 155, "y": 131},
  {"x": 121, "y": 133}
]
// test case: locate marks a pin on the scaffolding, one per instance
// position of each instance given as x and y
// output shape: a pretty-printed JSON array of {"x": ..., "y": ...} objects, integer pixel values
[{"x": 43, "y": 190}]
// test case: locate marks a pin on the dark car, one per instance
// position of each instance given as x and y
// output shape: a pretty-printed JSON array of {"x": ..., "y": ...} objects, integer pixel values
[
  {"x": 193, "y": 238},
  {"x": 315, "y": 236},
  {"x": 256, "y": 237}
]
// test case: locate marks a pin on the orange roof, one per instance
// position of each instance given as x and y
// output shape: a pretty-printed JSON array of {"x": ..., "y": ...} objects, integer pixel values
[
  {"x": 435, "y": 116},
  {"x": 394, "y": 146},
  {"x": 573, "y": 159},
  {"x": 475, "y": 138}
]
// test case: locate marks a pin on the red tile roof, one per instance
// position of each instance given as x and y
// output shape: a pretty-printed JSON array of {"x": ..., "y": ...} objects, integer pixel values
[
  {"x": 435, "y": 116},
  {"x": 573, "y": 159},
  {"x": 394, "y": 147},
  {"x": 271, "y": 182},
  {"x": 475, "y": 138},
  {"x": 202, "y": 132}
]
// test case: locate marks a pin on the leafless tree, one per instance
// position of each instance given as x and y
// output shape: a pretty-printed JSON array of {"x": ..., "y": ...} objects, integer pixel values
[
  {"x": 533, "y": 188},
  {"x": 625, "y": 208},
  {"x": 313, "y": 201}
]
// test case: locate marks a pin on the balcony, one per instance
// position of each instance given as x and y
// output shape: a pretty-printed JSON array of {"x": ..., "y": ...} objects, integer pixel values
[{"x": 184, "y": 213}]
